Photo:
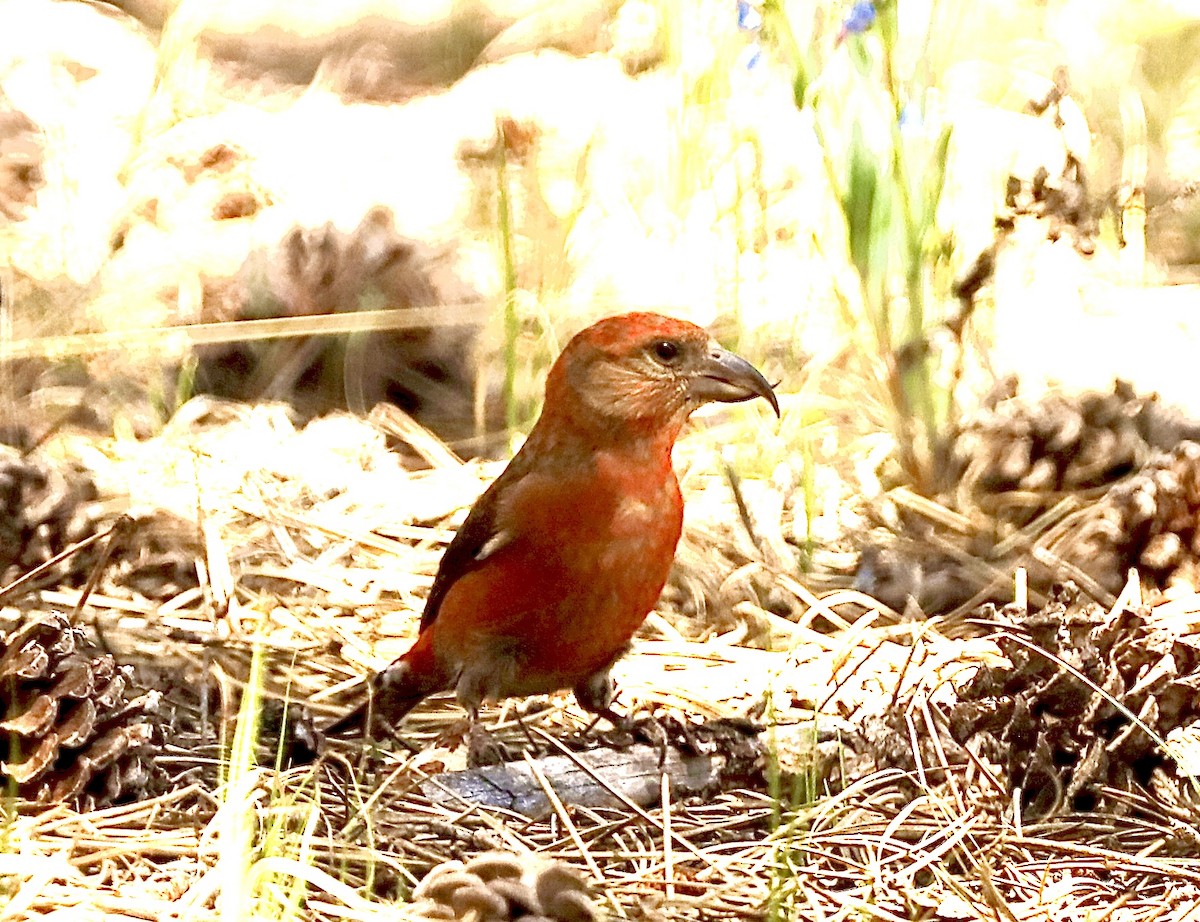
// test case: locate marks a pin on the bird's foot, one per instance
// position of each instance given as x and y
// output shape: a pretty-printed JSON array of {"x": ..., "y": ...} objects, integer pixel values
[
  {"x": 483, "y": 748},
  {"x": 650, "y": 730},
  {"x": 630, "y": 730}
]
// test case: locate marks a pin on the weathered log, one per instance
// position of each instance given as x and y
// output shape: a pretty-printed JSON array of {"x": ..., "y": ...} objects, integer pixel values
[{"x": 605, "y": 777}]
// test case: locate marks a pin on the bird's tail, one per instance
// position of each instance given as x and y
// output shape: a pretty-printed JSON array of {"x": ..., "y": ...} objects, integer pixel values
[{"x": 394, "y": 692}]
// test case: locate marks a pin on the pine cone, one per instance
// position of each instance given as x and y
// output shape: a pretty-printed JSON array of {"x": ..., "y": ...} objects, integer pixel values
[
  {"x": 21, "y": 156},
  {"x": 429, "y": 373},
  {"x": 1055, "y": 444},
  {"x": 499, "y": 886},
  {"x": 44, "y": 509},
  {"x": 1056, "y": 738},
  {"x": 71, "y": 730},
  {"x": 1152, "y": 521}
]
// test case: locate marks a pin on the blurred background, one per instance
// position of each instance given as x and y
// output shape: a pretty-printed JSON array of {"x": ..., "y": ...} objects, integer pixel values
[{"x": 804, "y": 177}]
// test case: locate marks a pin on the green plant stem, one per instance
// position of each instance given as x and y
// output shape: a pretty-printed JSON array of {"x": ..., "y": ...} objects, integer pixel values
[
  {"x": 512, "y": 326},
  {"x": 915, "y": 385},
  {"x": 912, "y": 233},
  {"x": 808, "y": 485},
  {"x": 835, "y": 186}
]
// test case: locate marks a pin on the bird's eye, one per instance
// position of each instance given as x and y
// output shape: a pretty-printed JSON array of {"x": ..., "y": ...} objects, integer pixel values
[{"x": 666, "y": 351}]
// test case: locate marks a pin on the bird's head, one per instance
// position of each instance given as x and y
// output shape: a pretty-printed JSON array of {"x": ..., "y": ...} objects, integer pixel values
[{"x": 647, "y": 372}]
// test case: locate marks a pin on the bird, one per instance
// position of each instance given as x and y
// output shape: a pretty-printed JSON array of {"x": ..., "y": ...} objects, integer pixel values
[{"x": 562, "y": 558}]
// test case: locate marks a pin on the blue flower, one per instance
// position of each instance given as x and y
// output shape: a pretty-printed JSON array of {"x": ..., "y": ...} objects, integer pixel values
[
  {"x": 861, "y": 18},
  {"x": 749, "y": 19},
  {"x": 751, "y": 57}
]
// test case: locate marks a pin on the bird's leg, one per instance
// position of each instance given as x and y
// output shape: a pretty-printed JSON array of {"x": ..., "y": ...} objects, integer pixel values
[
  {"x": 595, "y": 694},
  {"x": 481, "y": 748},
  {"x": 533, "y": 744}
]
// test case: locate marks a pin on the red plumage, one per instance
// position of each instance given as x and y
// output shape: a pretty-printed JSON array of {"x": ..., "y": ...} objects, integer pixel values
[{"x": 565, "y": 554}]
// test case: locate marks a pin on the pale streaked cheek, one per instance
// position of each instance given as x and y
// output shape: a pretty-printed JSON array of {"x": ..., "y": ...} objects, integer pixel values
[{"x": 624, "y": 392}]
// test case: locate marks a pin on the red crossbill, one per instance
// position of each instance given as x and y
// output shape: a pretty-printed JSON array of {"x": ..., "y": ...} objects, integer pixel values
[{"x": 564, "y": 555}]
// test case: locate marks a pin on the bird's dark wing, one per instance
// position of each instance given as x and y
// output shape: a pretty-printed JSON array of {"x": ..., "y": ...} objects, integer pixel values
[{"x": 480, "y": 536}]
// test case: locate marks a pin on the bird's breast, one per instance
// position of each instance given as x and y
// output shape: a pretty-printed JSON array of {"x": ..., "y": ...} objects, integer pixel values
[
  {"x": 639, "y": 534},
  {"x": 564, "y": 597},
  {"x": 630, "y": 524}
]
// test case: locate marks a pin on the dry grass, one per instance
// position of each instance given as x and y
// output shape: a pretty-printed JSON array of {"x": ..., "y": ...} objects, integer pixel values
[{"x": 315, "y": 546}]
